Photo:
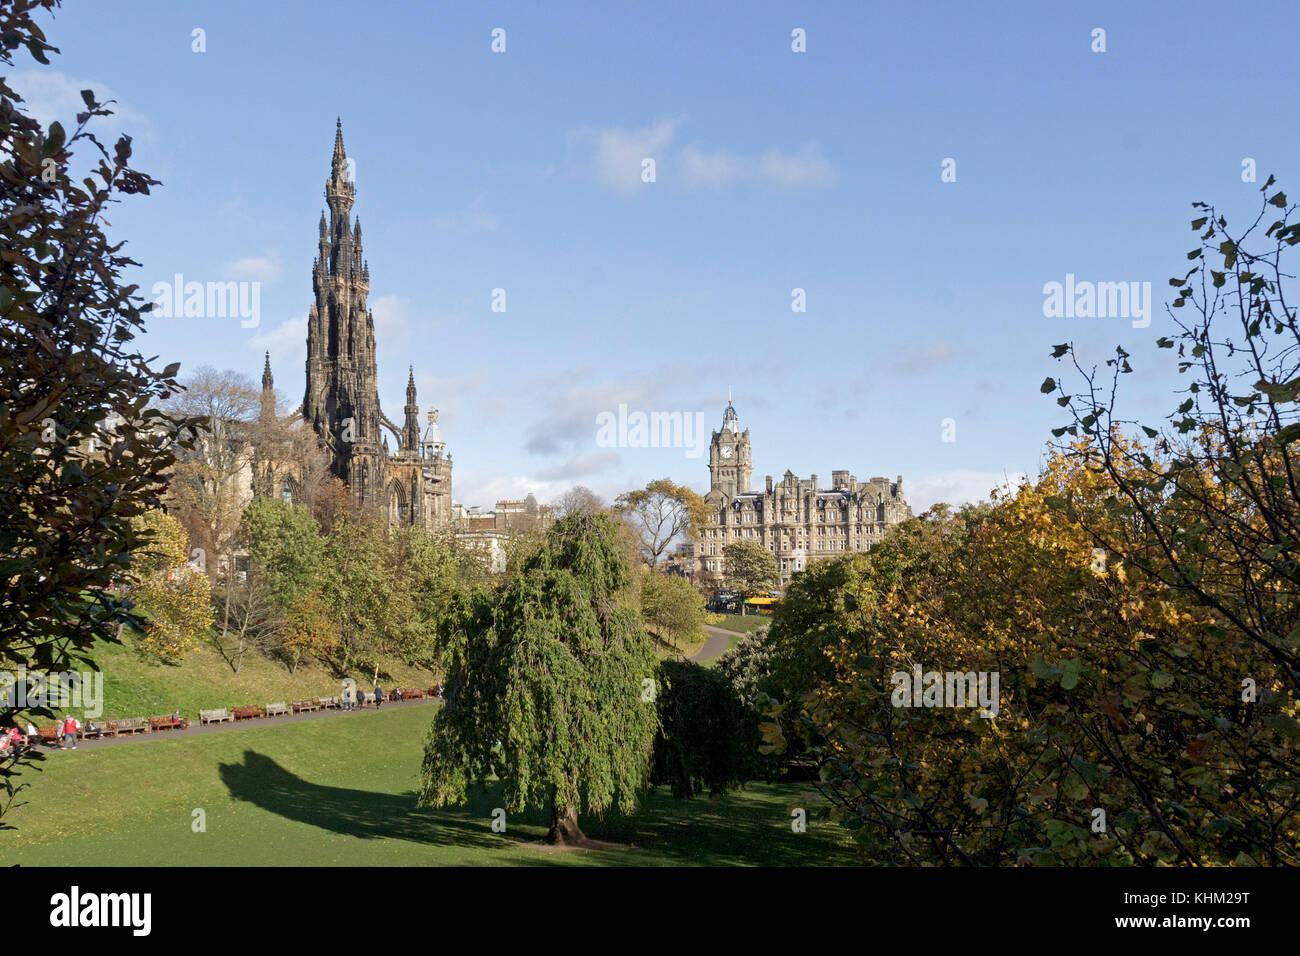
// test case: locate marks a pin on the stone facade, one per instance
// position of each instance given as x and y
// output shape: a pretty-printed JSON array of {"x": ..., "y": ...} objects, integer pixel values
[
  {"x": 795, "y": 519},
  {"x": 341, "y": 401}
]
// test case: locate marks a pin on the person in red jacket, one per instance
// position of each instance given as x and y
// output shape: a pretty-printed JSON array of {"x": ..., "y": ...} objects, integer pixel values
[{"x": 70, "y": 726}]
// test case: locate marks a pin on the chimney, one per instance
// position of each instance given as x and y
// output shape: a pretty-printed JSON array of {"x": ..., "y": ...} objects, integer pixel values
[{"x": 769, "y": 484}]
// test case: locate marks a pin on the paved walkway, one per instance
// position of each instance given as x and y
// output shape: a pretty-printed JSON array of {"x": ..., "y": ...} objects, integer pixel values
[
  {"x": 715, "y": 644},
  {"x": 195, "y": 729}
]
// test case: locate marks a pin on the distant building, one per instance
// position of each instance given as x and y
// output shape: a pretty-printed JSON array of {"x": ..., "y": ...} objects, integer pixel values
[
  {"x": 795, "y": 518},
  {"x": 489, "y": 532}
]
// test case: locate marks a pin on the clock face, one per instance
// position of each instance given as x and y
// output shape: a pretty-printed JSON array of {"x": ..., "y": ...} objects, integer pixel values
[{"x": 726, "y": 451}]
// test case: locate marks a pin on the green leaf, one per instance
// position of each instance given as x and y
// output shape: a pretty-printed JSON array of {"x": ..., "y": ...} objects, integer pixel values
[{"x": 1280, "y": 392}]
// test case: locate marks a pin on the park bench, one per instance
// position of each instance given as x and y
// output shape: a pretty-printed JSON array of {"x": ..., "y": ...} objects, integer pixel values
[
  {"x": 410, "y": 693},
  {"x": 327, "y": 702},
  {"x": 248, "y": 712},
  {"x": 432, "y": 692},
  {"x": 168, "y": 722},
  {"x": 129, "y": 725},
  {"x": 302, "y": 706},
  {"x": 215, "y": 716},
  {"x": 277, "y": 709}
]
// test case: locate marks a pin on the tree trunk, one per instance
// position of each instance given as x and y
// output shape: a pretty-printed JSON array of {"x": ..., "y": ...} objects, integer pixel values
[
  {"x": 564, "y": 827},
  {"x": 225, "y": 617}
]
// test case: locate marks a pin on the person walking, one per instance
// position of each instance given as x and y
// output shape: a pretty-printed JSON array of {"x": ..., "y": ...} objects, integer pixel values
[
  {"x": 379, "y": 695},
  {"x": 347, "y": 697},
  {"x": 70, "y": 726}
]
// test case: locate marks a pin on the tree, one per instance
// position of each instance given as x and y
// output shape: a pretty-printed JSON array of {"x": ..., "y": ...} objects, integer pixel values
[
  {"x": 548, "y": 685},
  {"x": 660, "y": 513},
  {"x": 308, "y": 629},
  {"x": 1225, "y": 463},
  {"x": 174, "y": 596},
  {"x": 248, "y": 606},
  {"x": 1122, "y": 733},
  {"x": 672, "y": 608},
  {"x": 750, "y": 569},
  {"x": 747, "y": 668},
  {"x": 578, "y": 499},
  {"x": 700, "y": 746},
  {"x": 209, "y": 488},
  {"x": 82, "y": 451},
  {"x": 285, "y": 543},
  {"x": 359, "y": 589}
]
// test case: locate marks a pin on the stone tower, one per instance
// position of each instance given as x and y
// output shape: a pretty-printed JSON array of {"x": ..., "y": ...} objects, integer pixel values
[
  {"x": 411, "y": 428},
  {"x": 342, "y": 397},
  {"x": 730, "y": 465}
]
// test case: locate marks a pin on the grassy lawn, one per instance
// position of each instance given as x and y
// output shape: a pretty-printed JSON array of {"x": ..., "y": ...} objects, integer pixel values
[
  {"x": 742, "y": 625},
  {"x": 135, "y": 686},
  {"x": 339, "y": 791}
]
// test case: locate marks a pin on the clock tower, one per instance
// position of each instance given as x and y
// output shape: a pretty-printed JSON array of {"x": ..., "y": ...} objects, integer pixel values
[{"x": 729, "y": 460}]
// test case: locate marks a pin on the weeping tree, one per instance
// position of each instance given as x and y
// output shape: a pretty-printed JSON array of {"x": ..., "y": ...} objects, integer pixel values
[{"x": 550, "y": 685}]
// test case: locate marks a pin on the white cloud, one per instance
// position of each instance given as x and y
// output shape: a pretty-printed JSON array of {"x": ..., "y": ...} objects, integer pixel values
[
  {"x": 287, "y": 343},
  {"x": 802, "y": 170},
  {"x": 51, "y": 95},
  {"x": 618, "y": 152},
  {"x": 262, "y": 269},
  {"x": 805, "y": 169},
  {"x": 709, "y": 170},
  {"x": 478, "y": 488},
  {"x": 956, "y": 487},
  {"x": 390, "y": 317},
  {"x": 473, "y": 218},
  {"x": 581, "y": 466}
]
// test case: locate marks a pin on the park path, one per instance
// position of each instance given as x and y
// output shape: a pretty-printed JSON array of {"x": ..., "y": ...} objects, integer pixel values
[
  {"x": 714, "y": 645},
  {"x": 195, "y": 729}
]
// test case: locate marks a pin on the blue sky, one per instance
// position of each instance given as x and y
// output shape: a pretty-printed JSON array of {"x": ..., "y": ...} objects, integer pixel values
[{"x": 775, "y": 170}]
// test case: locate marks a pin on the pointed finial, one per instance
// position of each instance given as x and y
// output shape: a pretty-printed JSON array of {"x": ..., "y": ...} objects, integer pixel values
[{"x": 338, "y": 140}]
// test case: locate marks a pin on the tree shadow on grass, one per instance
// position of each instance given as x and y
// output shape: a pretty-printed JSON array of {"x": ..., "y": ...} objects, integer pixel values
[
  {"x": 364, "y": 814},
  {"x": 749, "y": 827}
]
